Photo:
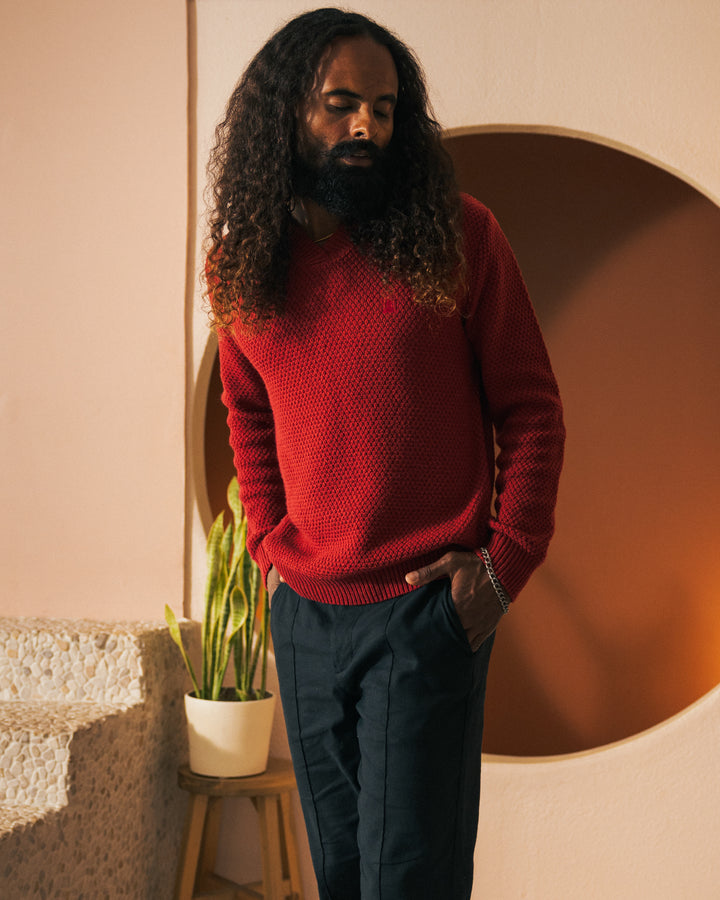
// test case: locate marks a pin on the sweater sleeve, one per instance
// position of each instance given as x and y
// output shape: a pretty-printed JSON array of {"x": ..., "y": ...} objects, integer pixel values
[
  {"x": 252, "y": 438},
  {"x": 523, "y": 402}
]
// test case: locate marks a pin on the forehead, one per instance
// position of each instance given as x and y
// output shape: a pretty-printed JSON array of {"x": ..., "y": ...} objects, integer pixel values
[{"x": 358, "y": 64}]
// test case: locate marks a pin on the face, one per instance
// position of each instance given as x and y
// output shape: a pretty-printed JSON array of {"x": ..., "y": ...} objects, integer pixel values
[
  {"x": 344, "y": 127},
  {"x": 353, "y": 98}
]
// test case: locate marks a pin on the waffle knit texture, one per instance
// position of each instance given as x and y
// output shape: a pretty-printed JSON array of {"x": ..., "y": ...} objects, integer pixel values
[{"x": 369, "y": 434}]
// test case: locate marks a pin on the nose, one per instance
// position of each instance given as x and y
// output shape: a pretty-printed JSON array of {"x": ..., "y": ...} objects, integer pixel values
[{"x": 364, "y": 124}]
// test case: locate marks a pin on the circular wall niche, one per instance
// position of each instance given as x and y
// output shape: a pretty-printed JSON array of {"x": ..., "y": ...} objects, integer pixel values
[{"x": 620, "y": 628}]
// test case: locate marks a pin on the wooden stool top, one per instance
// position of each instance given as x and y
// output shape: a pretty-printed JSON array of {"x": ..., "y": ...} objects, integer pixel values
[{"x": 278, "y": 778}]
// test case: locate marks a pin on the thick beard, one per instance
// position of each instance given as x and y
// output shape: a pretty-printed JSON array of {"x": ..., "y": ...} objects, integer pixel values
[{"x": 354, "y": 194}]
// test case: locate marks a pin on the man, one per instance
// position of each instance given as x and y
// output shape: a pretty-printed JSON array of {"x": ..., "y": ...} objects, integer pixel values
[{"x": 376, "y": 345}]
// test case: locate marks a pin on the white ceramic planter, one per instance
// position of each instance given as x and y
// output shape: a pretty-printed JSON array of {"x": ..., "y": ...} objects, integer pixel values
[{"x": 229, "y": 738}]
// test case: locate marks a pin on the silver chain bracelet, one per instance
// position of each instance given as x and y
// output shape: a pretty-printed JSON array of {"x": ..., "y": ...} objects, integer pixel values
[{"x": 502, "y": 594}]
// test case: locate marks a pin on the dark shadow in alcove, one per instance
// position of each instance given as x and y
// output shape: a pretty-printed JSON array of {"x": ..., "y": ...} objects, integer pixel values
[
  {"x": 563, "y": 202},
  {"x": 219, "y": 466}
]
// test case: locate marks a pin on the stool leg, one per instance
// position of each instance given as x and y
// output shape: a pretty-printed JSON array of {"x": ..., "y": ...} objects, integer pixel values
[
  {"x": 192, "y": 838},
  {"x": 267, "y": 808},
  {"x": 291, "y": 867},
  {"x": 211, "y": 836}
]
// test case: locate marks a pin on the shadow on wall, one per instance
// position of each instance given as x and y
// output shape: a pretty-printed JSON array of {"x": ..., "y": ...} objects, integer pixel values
[{"x": 620, "y": 628}]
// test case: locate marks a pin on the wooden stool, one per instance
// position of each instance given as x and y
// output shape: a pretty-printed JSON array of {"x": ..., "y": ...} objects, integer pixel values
[{"x": 270, "y": 794}]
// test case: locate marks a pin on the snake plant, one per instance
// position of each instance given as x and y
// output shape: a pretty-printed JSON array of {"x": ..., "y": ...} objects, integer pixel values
[{"x": 236, "y": 619}]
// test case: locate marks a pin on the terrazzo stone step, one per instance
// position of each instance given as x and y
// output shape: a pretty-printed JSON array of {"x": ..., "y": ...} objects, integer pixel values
[
  {"x": 70, "y": 661},
  {"x": 36, "y": 740},
  {"x": 92, "y": 732},
  {"x": 17, "y": 817}
]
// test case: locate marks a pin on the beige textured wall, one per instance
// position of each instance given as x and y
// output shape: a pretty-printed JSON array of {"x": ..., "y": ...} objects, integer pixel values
[
  {"x": 93, "y": 190},
  {"x": 638, "y": 818}
]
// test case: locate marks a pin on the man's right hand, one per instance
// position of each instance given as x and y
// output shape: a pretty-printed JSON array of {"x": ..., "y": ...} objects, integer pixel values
[{"x": 273, "y": 580}]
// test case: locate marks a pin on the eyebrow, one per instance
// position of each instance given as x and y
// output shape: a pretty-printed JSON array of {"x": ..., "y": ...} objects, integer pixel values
[{"x": 343, "y": 92}]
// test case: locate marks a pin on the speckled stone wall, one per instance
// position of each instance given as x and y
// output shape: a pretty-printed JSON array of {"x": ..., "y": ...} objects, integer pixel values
[{"x": 92, "y": 731}]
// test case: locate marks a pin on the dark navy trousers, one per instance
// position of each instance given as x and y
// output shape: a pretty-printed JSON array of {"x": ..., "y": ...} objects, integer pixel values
[{"x": 384, "y": 711}]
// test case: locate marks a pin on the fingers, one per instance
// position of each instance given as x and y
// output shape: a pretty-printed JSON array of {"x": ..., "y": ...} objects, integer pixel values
[
  {"x": 477, "y": 643},
  {"x": 437, "y": 569},
  {"x": 484, "y": 625}
]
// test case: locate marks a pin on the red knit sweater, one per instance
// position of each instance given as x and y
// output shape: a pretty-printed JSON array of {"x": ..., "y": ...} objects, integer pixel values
[{"x": 362, "y": 426}]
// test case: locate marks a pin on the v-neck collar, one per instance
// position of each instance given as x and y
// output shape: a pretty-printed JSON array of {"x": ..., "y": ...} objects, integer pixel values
[{"x": 338, "y": 244}]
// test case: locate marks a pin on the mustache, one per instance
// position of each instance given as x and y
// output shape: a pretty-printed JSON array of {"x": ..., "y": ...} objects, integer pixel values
[{"x": 349, "y": 148}]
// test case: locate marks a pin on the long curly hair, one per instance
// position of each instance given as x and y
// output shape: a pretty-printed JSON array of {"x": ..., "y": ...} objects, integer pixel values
[{"x": 417, "y": 240}]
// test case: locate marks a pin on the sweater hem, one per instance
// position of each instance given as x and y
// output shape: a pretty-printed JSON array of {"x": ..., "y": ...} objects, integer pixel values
[{"x": 360, "y": 589}]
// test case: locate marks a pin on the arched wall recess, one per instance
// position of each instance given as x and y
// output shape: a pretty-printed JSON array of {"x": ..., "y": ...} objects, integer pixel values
[
  {"x": 618, "y": 630},
  {"x": 212, "y": 463}
]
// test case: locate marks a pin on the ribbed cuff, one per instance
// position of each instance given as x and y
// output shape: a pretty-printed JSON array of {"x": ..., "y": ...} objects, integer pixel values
[{"x": 513, "y": 565}]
